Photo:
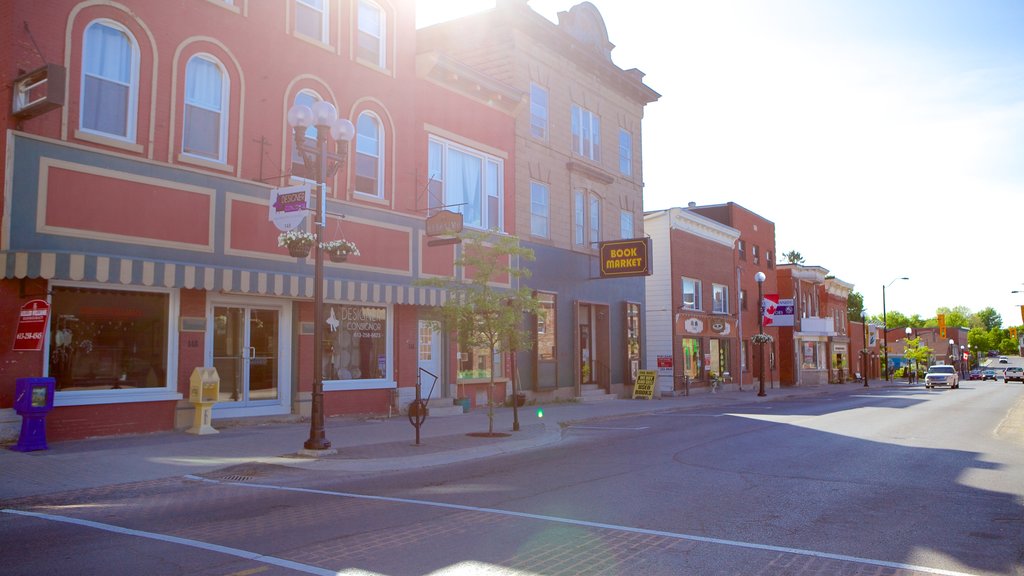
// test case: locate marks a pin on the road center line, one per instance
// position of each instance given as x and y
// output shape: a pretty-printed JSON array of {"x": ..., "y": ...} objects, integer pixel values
[
  {"x": 182, "y": 541},
  {"x": 608, "y": 428},
  {"x": 587, "y": 524}
]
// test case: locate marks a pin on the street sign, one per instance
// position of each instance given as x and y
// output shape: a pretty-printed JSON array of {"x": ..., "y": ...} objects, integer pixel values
[
  {"x": 289, "y": 206},
  {"x": 32, "y": 325}
]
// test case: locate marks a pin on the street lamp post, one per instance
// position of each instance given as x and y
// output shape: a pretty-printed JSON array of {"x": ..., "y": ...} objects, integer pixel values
[
  {"x": 906, "y": 348},
  {"x": 963, "y": 368},
  {"x": 322, "y": 163},
  {"x": 759, "y": 278},
  {"x": 864, "y": 352},
  {"x": 885, "y": 329},
  {"x": 952, "y": 352}
]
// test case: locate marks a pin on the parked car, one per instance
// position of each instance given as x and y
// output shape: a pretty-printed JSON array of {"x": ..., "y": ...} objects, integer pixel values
[
  {"x": 974, "y": 375},
  {"x": 941, "y": 375},
  {"x": 1014, "y": 373},
  {"x": 1003, "y": 360},
  {"x": 989, "y": 374}
]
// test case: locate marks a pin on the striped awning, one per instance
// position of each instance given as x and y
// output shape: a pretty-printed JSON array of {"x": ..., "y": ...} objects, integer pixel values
[{"x": 123, "y": 271}]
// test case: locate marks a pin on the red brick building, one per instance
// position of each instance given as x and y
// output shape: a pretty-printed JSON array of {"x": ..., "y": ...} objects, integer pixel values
[
  {"x": 702, "y": 297},
  {"x": 136, "y": 185}
]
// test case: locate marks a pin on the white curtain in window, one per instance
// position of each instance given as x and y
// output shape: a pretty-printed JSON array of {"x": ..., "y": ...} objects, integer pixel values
[
  {"x": 464, "y": 180},
  {"x": 204, "y": 100},
  {"x": 107, "y": 78}
]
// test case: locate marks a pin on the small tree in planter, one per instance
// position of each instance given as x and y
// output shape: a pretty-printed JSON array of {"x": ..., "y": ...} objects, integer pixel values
[
  {"x": 340, "y": 250},
  {"x": 483, "y": 315},
  {"x": 298, "y": 242}
]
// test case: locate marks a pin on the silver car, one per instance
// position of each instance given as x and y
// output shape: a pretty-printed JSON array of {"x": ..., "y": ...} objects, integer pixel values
[{"x": 942, "y": 375}]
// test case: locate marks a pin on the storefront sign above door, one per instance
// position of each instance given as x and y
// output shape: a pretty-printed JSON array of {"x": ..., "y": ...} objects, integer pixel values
[{"x": 630, "y": 257}]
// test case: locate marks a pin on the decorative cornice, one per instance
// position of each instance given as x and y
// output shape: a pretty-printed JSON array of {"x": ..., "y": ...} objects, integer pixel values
[{"x": 693, "y": 223}]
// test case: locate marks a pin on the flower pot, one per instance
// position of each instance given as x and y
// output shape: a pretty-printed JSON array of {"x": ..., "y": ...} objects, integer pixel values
[
  {"x": 335, "y": 257},
  {"x": 299, "y": 250}
]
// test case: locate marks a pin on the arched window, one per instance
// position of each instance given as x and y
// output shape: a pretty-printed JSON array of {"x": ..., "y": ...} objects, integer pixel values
[
  {"x": 110, "y": 85},
  {"x": 306, "y": 98},
  {"x": 369, "y": 156},
  {"x": 206, "y": 101}
]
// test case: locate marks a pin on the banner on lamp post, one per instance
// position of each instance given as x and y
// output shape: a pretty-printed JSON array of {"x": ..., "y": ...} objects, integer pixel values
[
  {"x": 289, "y": 206},
  {"x": 778, "y": 311}
]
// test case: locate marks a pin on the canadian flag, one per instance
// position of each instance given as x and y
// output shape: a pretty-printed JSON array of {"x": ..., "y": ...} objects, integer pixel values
[{"x": 768, "y": 306}]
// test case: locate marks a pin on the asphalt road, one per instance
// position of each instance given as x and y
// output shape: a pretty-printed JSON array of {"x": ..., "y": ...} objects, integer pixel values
[{"x": 887, "y": 481}]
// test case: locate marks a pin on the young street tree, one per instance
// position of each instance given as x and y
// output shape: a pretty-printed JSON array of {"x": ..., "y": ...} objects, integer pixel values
[{"x": 479, "y": 307}]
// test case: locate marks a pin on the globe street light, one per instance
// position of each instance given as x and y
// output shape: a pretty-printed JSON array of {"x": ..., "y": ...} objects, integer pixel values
[
  {"x": 906, "y": 348},
  {"x": 885, "y": 329},
  {"x": 759, "y": 278},
  {"x": 321, "y": 163}
]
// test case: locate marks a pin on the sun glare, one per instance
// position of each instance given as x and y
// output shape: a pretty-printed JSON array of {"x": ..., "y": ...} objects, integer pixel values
[{"x": 433, "y": 11}]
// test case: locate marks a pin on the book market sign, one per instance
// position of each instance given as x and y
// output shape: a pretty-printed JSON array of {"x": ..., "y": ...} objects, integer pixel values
[{"x": 630, "y": 257}]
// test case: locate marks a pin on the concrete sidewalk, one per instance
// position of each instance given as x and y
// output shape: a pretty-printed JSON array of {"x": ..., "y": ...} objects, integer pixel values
[{"x": 363, "y": 445}]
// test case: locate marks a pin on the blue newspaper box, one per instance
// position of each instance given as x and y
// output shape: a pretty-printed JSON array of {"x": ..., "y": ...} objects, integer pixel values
[{"x": 33, "y": 399}]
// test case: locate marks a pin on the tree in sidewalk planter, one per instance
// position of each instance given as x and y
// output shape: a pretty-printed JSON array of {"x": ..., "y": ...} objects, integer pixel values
[{"x": 483, "y": 314}]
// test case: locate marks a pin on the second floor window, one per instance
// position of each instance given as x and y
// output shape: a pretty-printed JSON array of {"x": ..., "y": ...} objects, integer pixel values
[
  {"x": 370, "y": 47},
  {"x": 741, "y": 249},
  {"x": 595, "y": 221},
  {"x": 756, "y": 253},
  {"x": 691, "y": 294},
  {"x": 625, "y": 224},
  {"x": 586, "y": 219},
  {"x": 538, "y": 112},
  {"x": 311, "y": 19},
  {"x": 110, "y": 69},
  {"x": 586, "y": 133},
  {"x": 469, "y": 181},
  {"x": 369, "y": 156},
  {"x": 540, "y": 210},
  {"x": 625, "y": 152},
  {"x": 720, "y": 298},
  {"x": 205, "y": 122}
]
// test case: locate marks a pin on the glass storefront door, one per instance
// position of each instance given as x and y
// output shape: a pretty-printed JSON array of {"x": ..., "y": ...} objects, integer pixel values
[{"x": 245, "y": 354}]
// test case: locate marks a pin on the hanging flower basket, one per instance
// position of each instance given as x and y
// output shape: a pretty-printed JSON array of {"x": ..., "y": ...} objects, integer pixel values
[
  {"x": 298, "y": 242},
  {"x": 761, "y": 339},
  {"x": 339, "y": 250}
]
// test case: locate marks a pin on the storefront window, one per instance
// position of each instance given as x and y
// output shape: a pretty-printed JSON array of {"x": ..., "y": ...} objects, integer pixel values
[
  {"x": 691, "y": 357},
  {"x": 356, "y": 347},
  {"x": 809, "y": 355},
  {"x": 632, "y": 340},
  {"x": 108, "y": 339},
  {"x": 475, "y": 364},
  {"x": 545, "y": 326},
  {"x": 719, "y": 350}
]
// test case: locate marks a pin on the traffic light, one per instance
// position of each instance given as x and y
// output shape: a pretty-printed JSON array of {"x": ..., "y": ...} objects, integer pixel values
[{"x": 1013, "y": 331}]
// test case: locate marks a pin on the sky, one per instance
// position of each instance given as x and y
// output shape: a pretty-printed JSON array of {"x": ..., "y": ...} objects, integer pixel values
[{"x": 884, "y": 138}]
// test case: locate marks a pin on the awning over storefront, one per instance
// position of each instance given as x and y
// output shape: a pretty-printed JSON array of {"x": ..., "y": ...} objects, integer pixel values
[{"x": 155, "y": 273}]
